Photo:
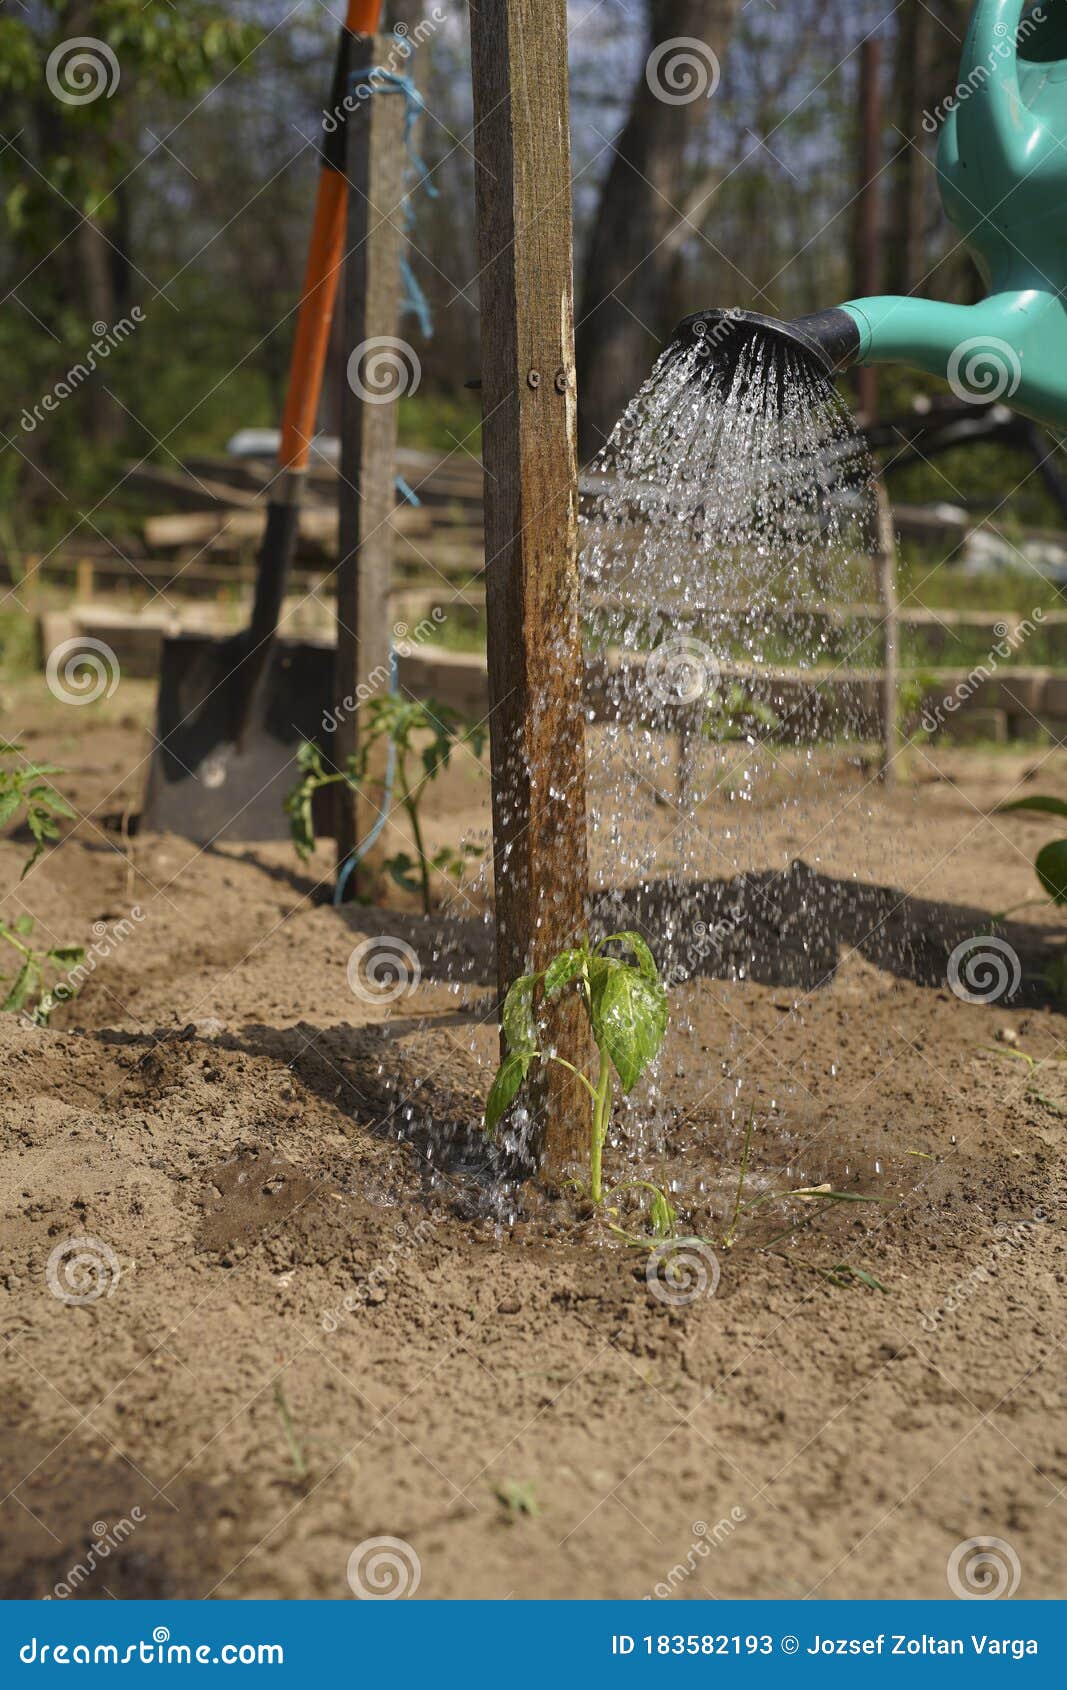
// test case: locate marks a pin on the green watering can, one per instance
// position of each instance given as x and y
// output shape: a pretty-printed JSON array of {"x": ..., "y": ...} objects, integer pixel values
[{"x": 1002, "y": 167}]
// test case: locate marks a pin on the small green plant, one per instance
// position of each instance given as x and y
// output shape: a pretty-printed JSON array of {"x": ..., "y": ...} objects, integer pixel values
[
  {"x": 516, "y": 1497},
  {"x": 1055, "y": 978},
  {"x": 1050, "y": 864},
  {"x": 732, "y": 713},
  {"x": 626, "y": 1004},
  {"x": 26, "y": 791},
  {"x": 292, "y": 1442},
  {"x": 1034, "y": 1065},
  {"x": 422, "y": 735}
]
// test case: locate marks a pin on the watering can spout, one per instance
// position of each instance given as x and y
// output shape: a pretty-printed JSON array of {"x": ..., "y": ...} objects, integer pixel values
[{"x": 1011, "y": 348}]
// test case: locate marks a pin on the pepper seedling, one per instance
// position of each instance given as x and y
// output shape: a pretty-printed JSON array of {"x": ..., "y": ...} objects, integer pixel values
[
  {"x": 27, "y": 788},
  {"x": 626, "y": 1003},
  {"x": 1050, "y": 864},
  {"x": 421, "y": 735}
]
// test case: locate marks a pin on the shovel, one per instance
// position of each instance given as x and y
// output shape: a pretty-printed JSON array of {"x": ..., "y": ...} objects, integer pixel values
[{"x": 232, "y": 712}]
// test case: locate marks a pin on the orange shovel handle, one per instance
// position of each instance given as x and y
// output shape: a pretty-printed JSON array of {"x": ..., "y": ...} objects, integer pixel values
[{"x": 319, "y": 295}]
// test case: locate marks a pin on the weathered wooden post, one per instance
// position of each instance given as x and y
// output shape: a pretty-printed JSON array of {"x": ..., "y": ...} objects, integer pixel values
[
  {"x": 381, "y": 368},
  {"x": 537, "y": 731}
]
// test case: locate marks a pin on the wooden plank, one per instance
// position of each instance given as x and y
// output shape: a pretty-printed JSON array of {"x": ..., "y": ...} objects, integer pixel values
[
  {"x": 186, "y": 489},
  {"x": 537, "y": 728},
  {"x": 375, "y": 162}
]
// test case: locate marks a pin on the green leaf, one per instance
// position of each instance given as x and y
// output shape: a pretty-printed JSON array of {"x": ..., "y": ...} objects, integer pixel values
[
  {"x": 509, "y": 1077},
  {"x": 53, "y": 800},
  {"x": 863, "y": 1276},
  {"x": 664, "y": 1216},
  {"x": 520, "y": 1025},
  {"x": 629, "y": 1016},
  {"x": 563, "y": 969},
  {"x": 1045, "y": 805},
  {"x": 9, "y": 803},
  {"x": 24, "y": 926},
  {"x": 399, "y": 869},
  {"x": 32, "y": 860},
  {"x": 646, "y": 962},
  {"x": 19, "y": 992},
  {"x": 1050, "y": 865},
  {"x": 67, "y": 956}
]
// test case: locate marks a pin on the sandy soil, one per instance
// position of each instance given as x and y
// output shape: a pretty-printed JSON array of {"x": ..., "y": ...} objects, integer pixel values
[{"x": 249, "y": 1147}]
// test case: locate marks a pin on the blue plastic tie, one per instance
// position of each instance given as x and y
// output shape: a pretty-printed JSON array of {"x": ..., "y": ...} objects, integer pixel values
[
  {"x": 407, "y": 492},
  {"x": 377, "y": 80}
]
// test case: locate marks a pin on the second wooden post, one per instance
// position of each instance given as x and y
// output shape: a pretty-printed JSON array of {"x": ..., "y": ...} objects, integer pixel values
[
  {"x": 537, "y": 731},
  {"x": 381, "y": 368}
]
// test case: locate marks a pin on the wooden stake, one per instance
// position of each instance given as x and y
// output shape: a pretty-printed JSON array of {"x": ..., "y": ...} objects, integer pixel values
[
  {"x": 537, "y": 730},
  {"x": 380, "y": 368}
]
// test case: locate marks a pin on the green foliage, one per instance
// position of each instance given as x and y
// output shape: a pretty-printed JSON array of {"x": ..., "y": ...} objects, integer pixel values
[
  {"x": 27, "y": 795},
  {"x": 1050, "y": 864},
  {"x": 516, "y": 1497},
  {"x": 626, "y": 1004},
  {"x": 26, "y": 788},
  {"x": 79, "y": 124},
  {"x": 422, "y": 736}
]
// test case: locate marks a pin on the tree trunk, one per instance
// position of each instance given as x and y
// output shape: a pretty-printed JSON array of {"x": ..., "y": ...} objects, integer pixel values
[{"x": 626, "y": 290}]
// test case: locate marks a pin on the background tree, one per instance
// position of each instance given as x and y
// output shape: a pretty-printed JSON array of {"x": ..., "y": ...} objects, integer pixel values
[{"x": 644, "y": 212}]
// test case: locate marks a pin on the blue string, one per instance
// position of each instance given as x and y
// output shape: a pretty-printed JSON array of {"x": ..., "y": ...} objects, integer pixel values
[
  {"x": 377, "y": 80},
  {"x": 407, "y": 492}
]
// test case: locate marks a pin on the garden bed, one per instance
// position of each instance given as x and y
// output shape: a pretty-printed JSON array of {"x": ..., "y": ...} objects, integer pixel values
[{"x": 322, "y": 1327}]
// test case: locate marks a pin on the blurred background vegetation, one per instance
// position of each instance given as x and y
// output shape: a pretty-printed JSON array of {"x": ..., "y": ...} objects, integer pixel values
[{"x": 186, "y": 193}]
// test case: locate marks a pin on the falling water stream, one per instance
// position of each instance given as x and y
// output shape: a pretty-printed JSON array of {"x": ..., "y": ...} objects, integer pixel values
[{"x": 727, "y": 524}]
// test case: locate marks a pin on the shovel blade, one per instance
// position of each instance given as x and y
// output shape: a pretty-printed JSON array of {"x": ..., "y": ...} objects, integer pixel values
[{"x": 209, "y": 780}]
